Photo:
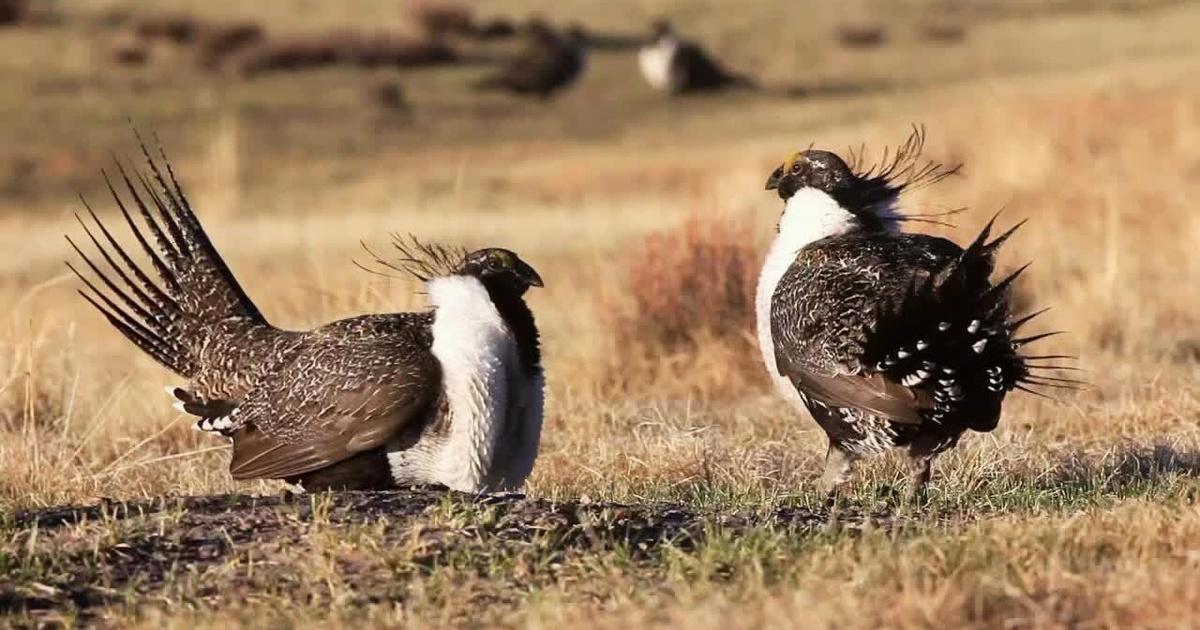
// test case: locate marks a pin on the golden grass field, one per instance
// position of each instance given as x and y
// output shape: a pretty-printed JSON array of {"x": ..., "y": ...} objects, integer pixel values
[{"x": 1083, "y": 118}]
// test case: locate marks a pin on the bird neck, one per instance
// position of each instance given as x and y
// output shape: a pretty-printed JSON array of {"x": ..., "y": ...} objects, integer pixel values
[
  {"x": 519, "y": 319},
  {"x": 810, "y": 215}
]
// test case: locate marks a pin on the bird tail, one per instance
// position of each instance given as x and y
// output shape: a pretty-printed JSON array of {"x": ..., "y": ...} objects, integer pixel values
[
  {"x": 196, "y": 299},
  {"x": 954, "y": 337}
]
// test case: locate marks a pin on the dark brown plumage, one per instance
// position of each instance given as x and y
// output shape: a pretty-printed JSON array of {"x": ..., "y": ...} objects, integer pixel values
[
  {"x": 888, "y": 339},
  {"x": 549, "y": 62},
  {"x": 322, "y": 407},
  {"x": 681, "y": 66}
]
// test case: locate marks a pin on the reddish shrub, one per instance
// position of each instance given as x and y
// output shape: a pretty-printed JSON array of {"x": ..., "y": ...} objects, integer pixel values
[
  {"x": 695, "y": 282},
  {"x": 687, "y": 306}
]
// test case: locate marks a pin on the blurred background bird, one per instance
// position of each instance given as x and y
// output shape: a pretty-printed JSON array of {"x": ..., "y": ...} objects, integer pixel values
[
  {"x": 549, "y": 62},
  {"x": 675, "y": 65}
]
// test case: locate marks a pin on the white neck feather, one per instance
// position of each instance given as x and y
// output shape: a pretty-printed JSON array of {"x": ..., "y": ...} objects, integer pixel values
[
  {"x": 477, "y": 352},
  {"x": 811, "y": 215},
  {"x": 808, "y": 216}
]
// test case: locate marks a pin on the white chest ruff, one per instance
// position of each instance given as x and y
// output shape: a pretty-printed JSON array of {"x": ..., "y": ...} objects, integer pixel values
[
  {"x": 808, "y": 216},
  {"x": 487, "y": 394},
  {"x": 779, "y": 258},
  {"x": 656, "y": 63}
]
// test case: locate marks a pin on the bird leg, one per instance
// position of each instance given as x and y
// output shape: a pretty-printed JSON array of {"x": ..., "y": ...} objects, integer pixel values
[
  {"x": 920, "y": 469},
  {"x": 838, "y": 466}
]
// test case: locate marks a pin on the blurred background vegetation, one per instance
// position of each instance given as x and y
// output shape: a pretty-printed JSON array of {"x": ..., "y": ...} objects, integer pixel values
[{"x": 301, "y": 127}]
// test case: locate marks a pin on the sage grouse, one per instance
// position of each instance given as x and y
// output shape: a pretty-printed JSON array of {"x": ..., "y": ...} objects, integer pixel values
[
  {"x": 452, "y": 396},
  {"x": 675, "y": 65},
  {"x": 549, "y": 62},
  {"x": 889, "y": 339}
]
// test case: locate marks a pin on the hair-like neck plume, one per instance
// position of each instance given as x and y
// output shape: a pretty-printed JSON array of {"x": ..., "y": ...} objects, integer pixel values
[{"x": 519, "y": 318}]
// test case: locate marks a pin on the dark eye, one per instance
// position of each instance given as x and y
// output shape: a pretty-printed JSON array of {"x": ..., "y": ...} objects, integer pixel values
[
  {"x": 495, "y": 262},
  {"x": 796, "y": 168}
]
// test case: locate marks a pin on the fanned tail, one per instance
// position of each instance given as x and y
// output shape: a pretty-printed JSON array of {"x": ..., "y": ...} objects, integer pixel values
[
  {"x": 952, "y": 336},
  {"x": 195, "y": 300}
]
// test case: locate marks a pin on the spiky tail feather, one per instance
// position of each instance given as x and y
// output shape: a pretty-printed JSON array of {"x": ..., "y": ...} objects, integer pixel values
[
  {"x": 952, "y": 336},
  {"x": 140, "y": 310},
  {"x": 196, "y": 299}
]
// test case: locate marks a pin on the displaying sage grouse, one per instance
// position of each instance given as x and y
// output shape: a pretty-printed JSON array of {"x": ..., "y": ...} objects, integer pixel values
[
  {"x": 549, "y": 62},
  {"x": 677, "y": 66},
  {"x": 889, "y": 339},
  {"x": 452, "y": 396}
]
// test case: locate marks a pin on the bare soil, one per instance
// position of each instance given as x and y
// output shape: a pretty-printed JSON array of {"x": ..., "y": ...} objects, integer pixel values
[{"x": 143, "y": 557}]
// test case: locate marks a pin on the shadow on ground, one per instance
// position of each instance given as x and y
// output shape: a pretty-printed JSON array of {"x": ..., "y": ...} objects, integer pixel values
[
  {"x": 77, "y": 560},
  {"x": 1126, "y": 467},
  {"x": 150, "y": 544}
]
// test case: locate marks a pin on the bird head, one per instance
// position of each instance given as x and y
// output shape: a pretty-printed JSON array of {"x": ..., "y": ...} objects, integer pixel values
[
  {"x": 661, "y": 28},
  {"x": 869, "y": 191},
  {"x": 813, "y": 168},
  {"x": 500, "y": 269},
  {"x": 822, "y": 184}
]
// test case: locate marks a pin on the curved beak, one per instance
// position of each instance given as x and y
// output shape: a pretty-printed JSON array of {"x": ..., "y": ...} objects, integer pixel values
[
  {"x": 773, "y": 180},
  {"x": 529, "y": 275}
]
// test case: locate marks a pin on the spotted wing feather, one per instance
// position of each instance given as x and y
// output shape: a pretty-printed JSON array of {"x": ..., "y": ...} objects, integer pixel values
[
  {"x": 905, "y": 326},
  {"x": 952, "y": 335},
  {"x": 352, "y": 387},
  {"x": 825, "y": 304}
]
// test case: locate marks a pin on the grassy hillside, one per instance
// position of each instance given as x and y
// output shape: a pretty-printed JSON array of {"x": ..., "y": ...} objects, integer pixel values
[{"x": 1083, "y": 117}]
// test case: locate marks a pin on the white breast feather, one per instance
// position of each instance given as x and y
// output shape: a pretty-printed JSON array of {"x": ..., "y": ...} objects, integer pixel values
[
  {"x": 655, "y": 62},
  {"x": 477, "y": 353},
  {"x": 808, "y": 216}
]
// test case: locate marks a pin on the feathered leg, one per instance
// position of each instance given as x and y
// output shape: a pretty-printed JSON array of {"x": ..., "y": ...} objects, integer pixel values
[
  {"x": 920, "y": 469},
  {"x": 838, "y": 466}
]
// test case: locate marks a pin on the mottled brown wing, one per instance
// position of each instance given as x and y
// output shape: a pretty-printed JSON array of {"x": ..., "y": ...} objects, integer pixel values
[
  {"x": 826, "y": 303},
  {"x": 872, "y": 393},
  {"x": 340, "y": 397}
]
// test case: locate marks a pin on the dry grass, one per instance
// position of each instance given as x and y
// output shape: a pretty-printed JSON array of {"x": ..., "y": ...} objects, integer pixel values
[
  {"x": 440, "y": 18},
  {"x": 942, "y": 32},
  {"x": 690, "y": 283},
  {"x": 688, "y": 300},
  {"x": 1070, "y": 514}
]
